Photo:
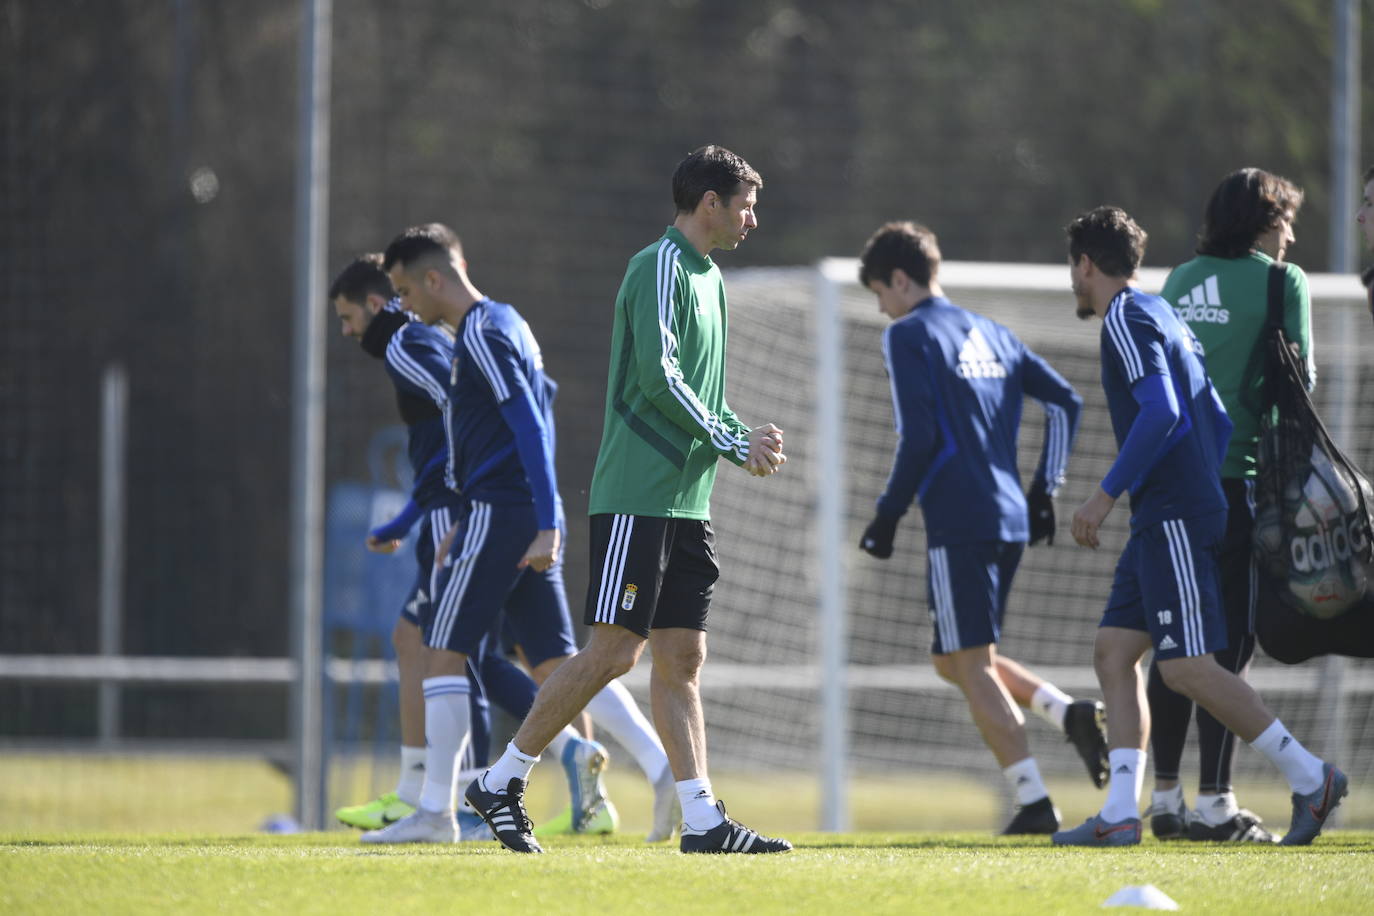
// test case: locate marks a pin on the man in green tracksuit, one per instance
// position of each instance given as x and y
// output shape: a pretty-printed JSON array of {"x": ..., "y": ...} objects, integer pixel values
[
  {"x": 1222, "y": 295},
  {"x": 652, "y": 548}
]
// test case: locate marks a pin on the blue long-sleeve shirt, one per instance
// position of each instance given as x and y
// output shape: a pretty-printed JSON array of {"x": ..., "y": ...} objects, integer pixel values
[
  {"x": 1170, "y": 426},
  {"x": 958, "y": 381},
  {"x": 500, "y": 418},
  {"x": 417, "y": 361}
]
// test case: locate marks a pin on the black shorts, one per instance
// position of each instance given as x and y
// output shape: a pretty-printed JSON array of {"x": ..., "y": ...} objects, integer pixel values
[{"x": 651, "y": 573}]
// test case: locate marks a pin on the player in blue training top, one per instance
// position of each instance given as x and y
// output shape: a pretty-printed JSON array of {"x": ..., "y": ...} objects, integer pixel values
[
  {"x": 1172, "y": 432},
  {"x": 505, "y": 547},
  {"x": 416, "y": 359},
  {"x": 958, "y": 383}
]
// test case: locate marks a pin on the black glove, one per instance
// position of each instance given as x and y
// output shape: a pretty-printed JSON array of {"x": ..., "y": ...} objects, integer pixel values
[
  {"x": 1041, "y": 507},
  {"x": 877, "y": 539}
]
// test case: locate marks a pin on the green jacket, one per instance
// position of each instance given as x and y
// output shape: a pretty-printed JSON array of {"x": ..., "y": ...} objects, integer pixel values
[
  {"x": 666, "y": 420},
  {"x": 1225, "y": 303}
]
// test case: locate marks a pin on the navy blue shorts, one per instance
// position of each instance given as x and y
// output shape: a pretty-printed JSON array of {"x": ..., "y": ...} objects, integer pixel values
[
  {"x": 537, "y": 616},
  {"x": 967, "y": 587},
  {"x": 1168, "y": 583},
  {"x": 482, "y": 577},
  {"x": 434, "y": 524}
]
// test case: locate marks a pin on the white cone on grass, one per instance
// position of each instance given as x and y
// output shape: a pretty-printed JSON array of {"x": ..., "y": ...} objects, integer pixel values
[{"x": 1146, "y": 896}]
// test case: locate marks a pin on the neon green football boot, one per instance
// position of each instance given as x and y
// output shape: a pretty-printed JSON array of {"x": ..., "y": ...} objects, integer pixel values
[
  {"x": 604, "y": 819},
  {"x": 375, "y": 814}
]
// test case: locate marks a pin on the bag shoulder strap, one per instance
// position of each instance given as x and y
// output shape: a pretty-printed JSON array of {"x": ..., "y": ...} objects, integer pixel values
[{"x": 1278, "y": 272}]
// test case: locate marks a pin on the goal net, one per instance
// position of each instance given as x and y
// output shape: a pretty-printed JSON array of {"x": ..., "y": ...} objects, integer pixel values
[{"x": 820, "y": 653}]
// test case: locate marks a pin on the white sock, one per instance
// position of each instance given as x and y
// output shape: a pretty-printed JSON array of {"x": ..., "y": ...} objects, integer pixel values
[
  {"x": 1024, "y": 778},
  {"x": 1168, "y": 799},
  {"x": 412, "y": 778},
  {"x": 1302, "y": 770},
  {"x": 447, "y": 721},
  {"x": 561, "y": 740},
  {"x": 1217, "y": 809},
  {"x": 699, "y": 809},
  {"x": 514, "y": 764},
  {"x": 1127, "y": 766},
  {"x": 1050, "y": 703},
  {"x": 614, "y": 709}
]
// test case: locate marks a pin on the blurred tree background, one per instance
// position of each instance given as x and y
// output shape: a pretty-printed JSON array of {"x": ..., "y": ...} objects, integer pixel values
[{"x": 147, "y": 203}]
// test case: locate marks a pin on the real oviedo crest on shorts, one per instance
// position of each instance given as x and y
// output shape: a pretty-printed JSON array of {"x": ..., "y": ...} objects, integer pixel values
[{"x": 627, "y": 601}]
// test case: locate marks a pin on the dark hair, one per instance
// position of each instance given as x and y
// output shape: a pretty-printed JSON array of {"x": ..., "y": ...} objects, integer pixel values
[
  {"x": 363, "y": 276},
  {"x": 1368, "y": 175},
  {"x": 417, "y": 242},
  {"x": 907, "y": 245},
  {"x": 1247, "y": 204},
  {"x": 711, "y": 168},
  {"x": 1110, "y": 239}
]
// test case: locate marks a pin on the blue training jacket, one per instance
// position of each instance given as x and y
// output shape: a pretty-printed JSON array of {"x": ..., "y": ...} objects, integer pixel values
[
  {"x": 500, "y": 416},
  {"x": 417, "y": 360},
  {"x": 1175, "y": 472},
  {"x": 958, "y": 380}
]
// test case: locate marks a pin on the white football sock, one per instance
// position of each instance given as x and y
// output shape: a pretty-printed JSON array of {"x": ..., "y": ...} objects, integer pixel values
[
  {"x": 1024, "y": 778},
  {"x": 1302, "y": 770},
  {"x": 412, "y": 778},
  {"x": 1127, "y": 766},
  {"x": 1168, "y": 799},
  {"x": 514, "y": 764},
  {"x": 1217, "y": 809},
  {"x": 699, "y": 809},
  {"x": 1051, "y": 704},
  {"x": 447, "y": 721},
  {"x": 561, "y": 740},
  {"x": 614, "y": 709}
]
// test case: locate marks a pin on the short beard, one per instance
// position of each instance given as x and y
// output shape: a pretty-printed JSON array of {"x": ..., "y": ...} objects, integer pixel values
[{"x": 1084, "y": 312}]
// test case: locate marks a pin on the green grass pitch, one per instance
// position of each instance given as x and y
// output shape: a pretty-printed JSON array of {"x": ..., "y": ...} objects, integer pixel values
[
  {"x": 850, "y": 873},
  {"x": 151, "y": 836}
]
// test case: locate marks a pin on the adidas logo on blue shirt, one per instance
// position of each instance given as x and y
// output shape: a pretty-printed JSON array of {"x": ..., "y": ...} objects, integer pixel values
[{"x": 976, "y": 359}]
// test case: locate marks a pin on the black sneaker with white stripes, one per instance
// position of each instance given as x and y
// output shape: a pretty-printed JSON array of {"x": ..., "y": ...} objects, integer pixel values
[
  {"x": 505, "y": 814},
  {"x": 1244, "y": 827},
  {"x": 730, "y": 836}
]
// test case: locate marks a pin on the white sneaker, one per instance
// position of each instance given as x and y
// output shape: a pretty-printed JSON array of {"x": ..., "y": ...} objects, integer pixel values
[
  {"x": 421, "y": 827},
  {"x": 667, "y": 808}
]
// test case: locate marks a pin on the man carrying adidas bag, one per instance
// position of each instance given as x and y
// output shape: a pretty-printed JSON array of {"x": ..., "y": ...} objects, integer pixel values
[
  {"x": 1220, "y": 294},
  {"x": 1313, "y": 542}
]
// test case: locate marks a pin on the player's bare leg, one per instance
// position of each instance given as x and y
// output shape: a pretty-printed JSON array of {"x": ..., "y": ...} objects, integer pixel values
[
  {"x": 675, "y": 696},
  {"x": 995, "y": 713},
  {"x": 589, "y": 809},
  {"x": 1081, "y": 721},
  {"x": 447, "y": 723},
  {"x": 610, "y": 652},
  {"x": 498, "y": 794},
  {"x": 540, "y": 673},
  {"x": 408, "y": 642},
  {"x": 998, "y": 718},
  {"x": 675, "y": 699},
  {"x": 1226, "y": 696},
  {"x": 1116, "y": 657}
]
